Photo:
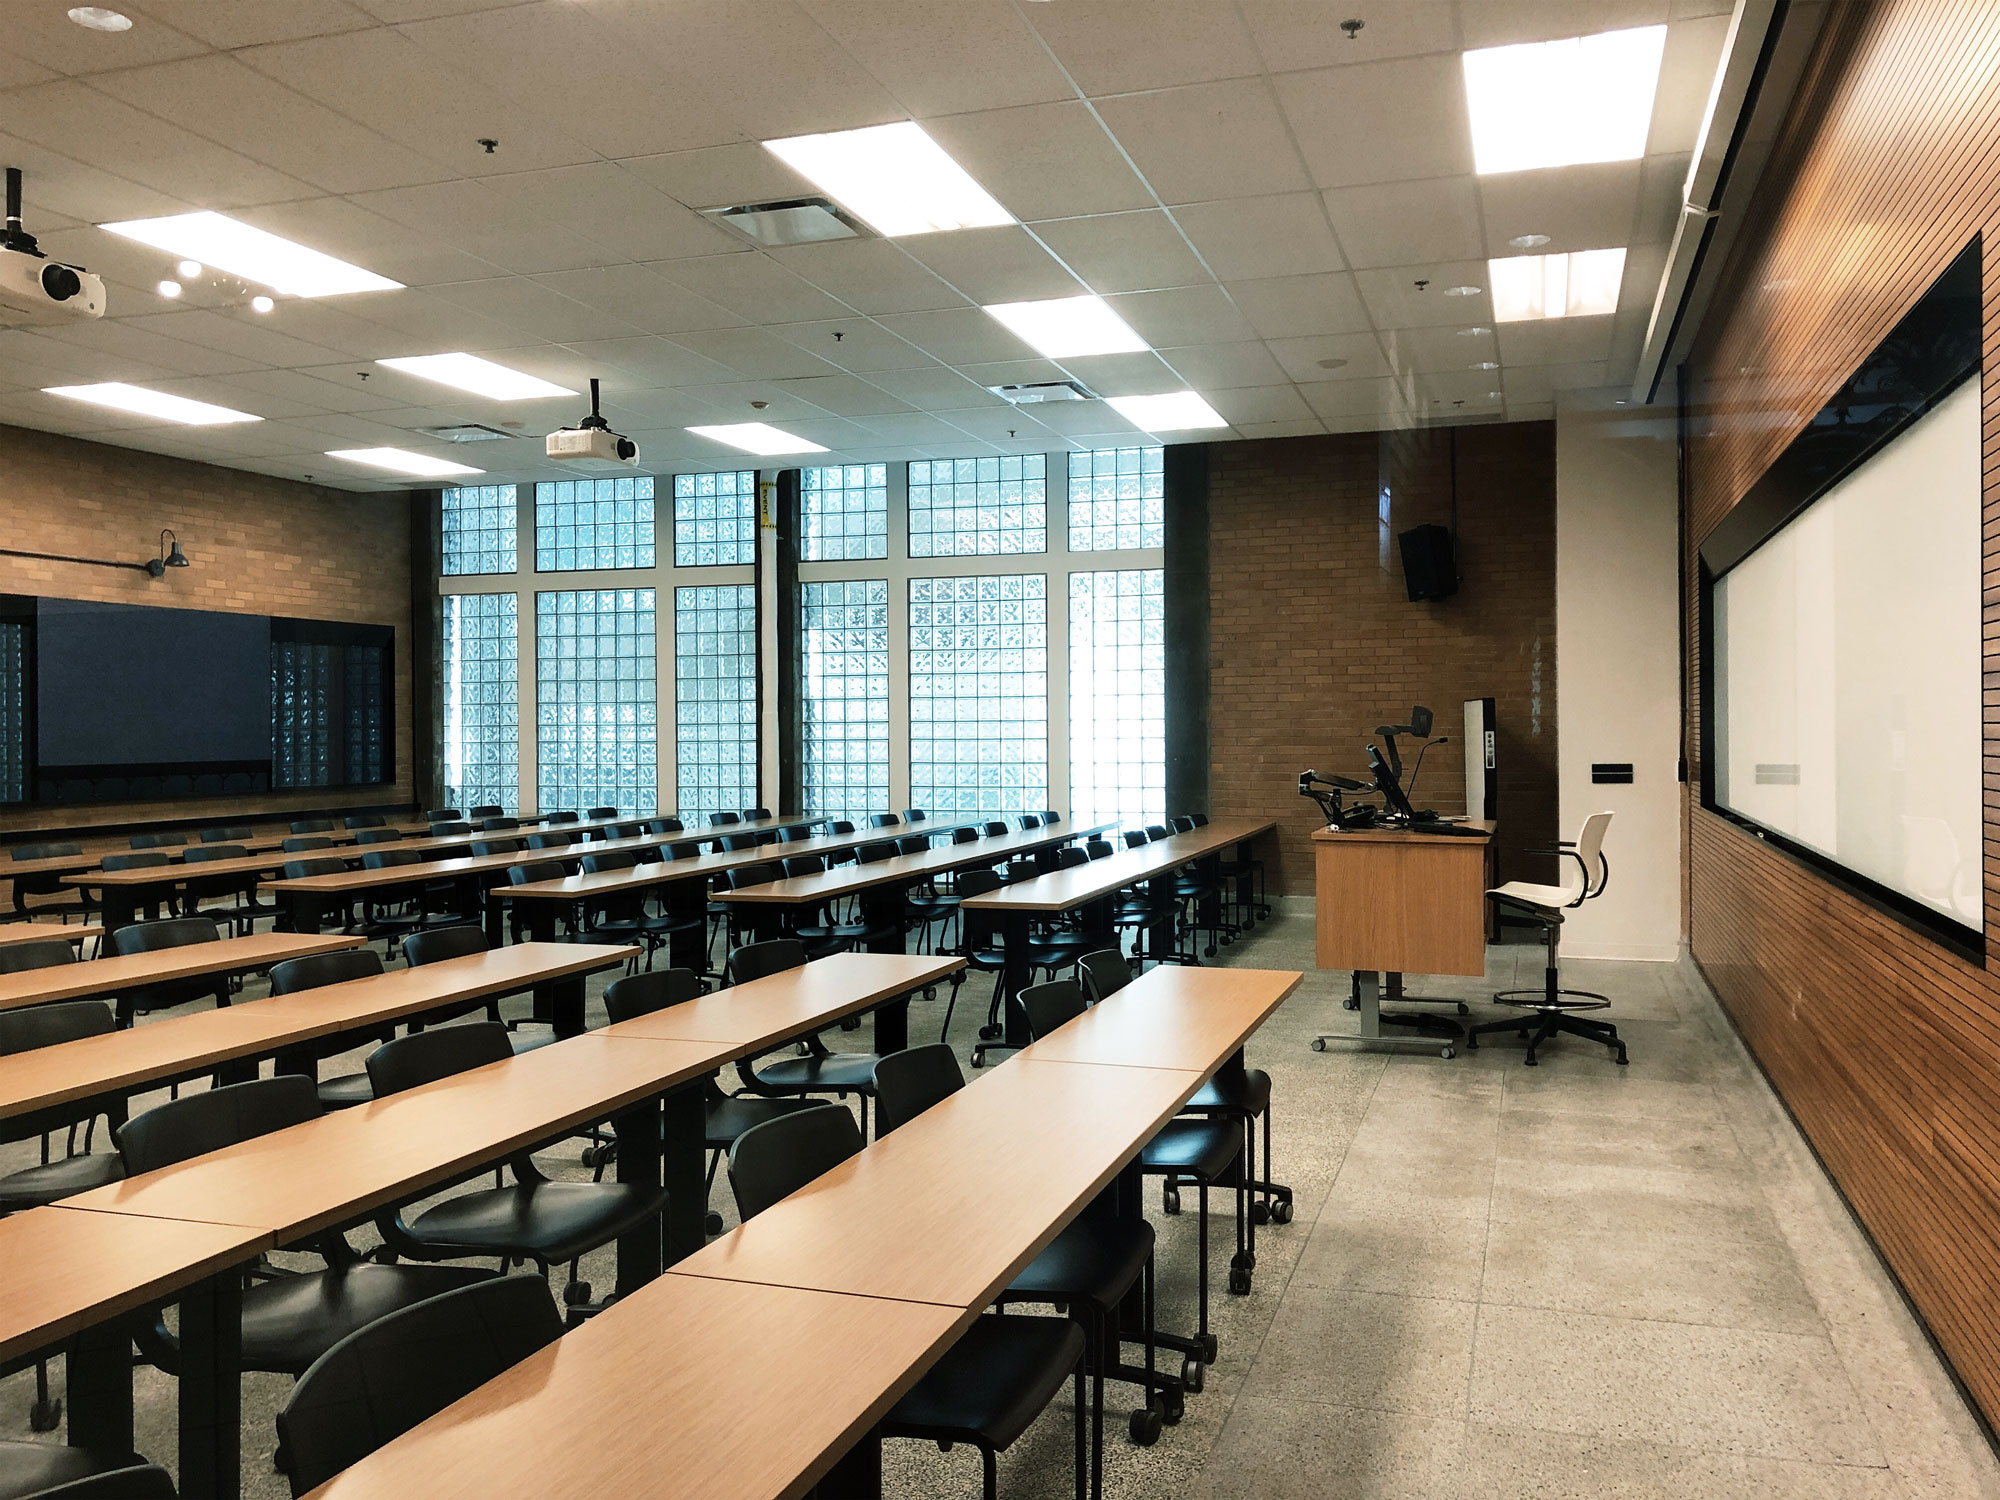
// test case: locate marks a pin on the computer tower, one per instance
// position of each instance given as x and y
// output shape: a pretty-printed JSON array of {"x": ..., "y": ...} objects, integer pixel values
[{"x": 1481, "y": 782}]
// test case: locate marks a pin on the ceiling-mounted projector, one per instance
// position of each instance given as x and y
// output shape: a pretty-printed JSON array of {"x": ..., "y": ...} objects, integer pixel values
[
  {"x": 591, "y": 445},
  {"x": 33, "y": 288}
]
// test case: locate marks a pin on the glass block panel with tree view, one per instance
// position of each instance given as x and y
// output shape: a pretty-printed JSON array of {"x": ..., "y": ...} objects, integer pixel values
[
  {"x": 979, "y": 664},
  {"x": 597, "y": 704},
  {"x": 1117, "y": 499},
  {"x": 482, "y": 707},
  {"x": 715, "y": 693},
  {"x": 844, "y": 660},
  {"x": 1117, "y": 695}
]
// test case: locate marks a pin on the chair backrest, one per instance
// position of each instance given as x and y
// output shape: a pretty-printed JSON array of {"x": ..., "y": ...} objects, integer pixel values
[
  {"x": 803, "y": 864},
  {"x": 665, "y": 825},
  {"x": 735, "y": 841},
  {"x": 1134, "y": 837},
  {"x": 776, "y": 1159},
  {"x": 1048, "y": 861},
  {"x": 299, "y": 869},
  {"x": 597, "y": 814},
  {"x": 913, "y": 843},
  {"x": 561, "y": 817},
  {"x": 426, "y": 1056},
  {"x": 200, "y": 853},
  {"x": 45, "y": 851},
  {"x": 1069, "y": 858},
  {"x": 964, "y": 835},
  {"x": 139, "y": 1482},
  {"x": 144, "y": 861},
  {"x": 1181, "y": 824},
  {"x": 490, "y": 810},
  {"x": 880, "y": 849},
  {"x": 994, "y": 829},
  {"x": 436, "y": 944},
  {"x": 378, "y": 836},
  {"x": 723, "y": 819},
  {"x": 313, "y": 825},
  {"x": 364, "y": 820},
  {"x": 683, "y": 851},
  {"x": 1029, "y": 822},
  {"x": 909, "y": 1082},
  {"x": 840, "y": 826},
  {"x": 389, "y": 1375},
  {"x": 883, "y": 820},
  {"x": 755, "y": 814},
  {"x": 306, "y": 841},
  {"x": 755, "y": 960},
  {"x": 978, "y": 927},
  {"x": 196, "y": 1124},
  {"x": 170, "y": 932},
  {"x": 1199, "y": 820},
  {"x": 43, "y": 953},
  {"x": 1590, "y": 853},
  {"x": 157, "y": 840},
  {"x": 442, "y": 814},
  {"x": 48, "y": 1025},
  {"x": 796, "y": 833},
  {"x": 617, "y": 859},
  {"x": 551, "y": 840},
  {"x": 653, "y": 989},
  {"x": 1050, "y": 819},
  {"x": 1156, "y": 830},
  {"x": 389, "y": 859},
  {"x": 1103, "y": 973},
  {"x": 914, "y": 815},
  {"x": 498, "y": 824},
  {"x": 1019, "y": 870},
  {"x": 449, "y": 830},
  {"x": 1096, "y": 848},
  {"x": 496, "y": 846},
  {"x": 317, "y": 969},
  {"x": 225, "y": 835},
  {"x": 745, "y": 875},
  {"x": 628, "y": 830},
  {"x": 541, "y": 869},
  {"x": 1047, "y": 1006}
]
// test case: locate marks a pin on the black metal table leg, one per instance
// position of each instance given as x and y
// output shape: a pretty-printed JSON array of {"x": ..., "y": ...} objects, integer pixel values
[
  {"x": 684, "y": 1132},
  {"x": 560, "y": 1002},
  {"x": 98, "y": 1379},
  {"x": 541, "y": 920},
  {"x": 211, "y": 1414},
  {"x": 687, "y": 899},
  {"x": 495, "y": 923},
  {"x": 639, "y": 1248},
  {"x": 121, "y": 906},
  {"x": 892, "y": 1025},
  {"x": 857, "y": 1475},
  {"x": 1015, "y": 974},
  {"x": 308, "y": 911},
  {"x": 882, "y": 909}
]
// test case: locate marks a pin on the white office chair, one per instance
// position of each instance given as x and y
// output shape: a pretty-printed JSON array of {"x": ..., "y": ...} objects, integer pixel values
[{"x": 1558, "y": 1008}]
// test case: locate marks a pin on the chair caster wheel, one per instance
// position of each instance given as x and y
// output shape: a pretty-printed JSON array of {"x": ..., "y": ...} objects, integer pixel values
[
  {"x": 930, "y": 992},
  {"x": 978, "y": 1057},
  {"x": 1622, "y": 1062},
  {"x": 1530, "y": 1061},
  {"x": 712, "y": 1223},
  {"x": 1209, "y": 1348},
  {"x": 1319, "y": 1044},
  {"x": 1173, "y": 1404},
  {"x": 1209, "y": 951},
  {"x": 1170, "y": 1200},
  {"x": 990, "y": 1033},
  {"x": 1447, "y": 1053},
  {"x": 46, "y": 1416},
  {"x": 1145, "y": 1425},
  {"x": 851, "y": 1023},
  {"x": 1243, "y": 1260},
  {"x": 1464, "y": 1009},
  {"x": 1191, "y": 1375},
  {"x": 1260, "y": 1214},
  {"x": 1350, "y": 1004},
  {"x": 576, "y": 1294},
  {"x": 1239, "y": 1281},
  {"x": 1281, "y": 1211}
]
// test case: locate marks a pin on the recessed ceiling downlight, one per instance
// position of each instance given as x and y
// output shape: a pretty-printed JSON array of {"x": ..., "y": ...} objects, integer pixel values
[{"x": 99, "y": 18}]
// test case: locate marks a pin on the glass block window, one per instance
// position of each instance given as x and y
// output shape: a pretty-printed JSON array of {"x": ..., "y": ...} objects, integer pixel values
[
  {"x": 13, "y": 712},
  {"x": 1117, "y": 695},
  {"x": 979, "y": 507},
  {"x": 979, "y": 721},
  {"x": 302, "y": 678},
  {"x": 365, "y": 707},
  {"x": 482, "y": 703},
  {"x": 597, "y": 709},
  {"x": 593, "y": 523},
  {"x": 478, "y": 530},
  {"x": 845, "y": 513},
  {"x": 715, "y": 693},
  {"x": 1117, "y": 499},
  {"x": 715, "y": 519},
  {"x": 845, "y": 665}
]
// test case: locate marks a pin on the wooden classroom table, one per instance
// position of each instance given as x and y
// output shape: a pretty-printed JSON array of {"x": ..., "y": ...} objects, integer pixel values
[
  {"x": 749, "y": 1393},
  {"x": 116, "y": 975},
  {"x": 12, "y": 933},
  {"x": 1172, "y": 1016},
  {"x": 125, "y": 1062},
  {"x": 1092, "y": 888},
  {"x": 74, "y": 1275},
  {"x": 1392, "y": 902}
]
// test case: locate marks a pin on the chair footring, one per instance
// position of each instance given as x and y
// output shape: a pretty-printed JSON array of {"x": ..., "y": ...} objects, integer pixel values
[
  {"x": 1545, "y": 999},
  {"x": 1546, "y": 1025}
]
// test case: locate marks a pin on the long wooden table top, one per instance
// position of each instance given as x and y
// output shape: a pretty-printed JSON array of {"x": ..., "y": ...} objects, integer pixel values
[
  {"x": 1066, "y": 889},
  {"x": 117, "y": 975},
  {"x": 40, "y": 932},
  {"x": 813, "y": 890},
  {"x": 1172, "y": 1016},
  {"x": 1406, "y": 836},
  {"x": 99, "y": 1266},
  {"x": 767, "y": 1012},
  {"x": 141, "y": 1056},
  {"x": 749, "y": 1393}
]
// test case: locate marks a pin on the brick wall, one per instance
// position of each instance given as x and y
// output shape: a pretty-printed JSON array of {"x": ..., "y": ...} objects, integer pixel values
[
  {"x": 256, "y": 545},
  {"x": 1315, "y": 641}
]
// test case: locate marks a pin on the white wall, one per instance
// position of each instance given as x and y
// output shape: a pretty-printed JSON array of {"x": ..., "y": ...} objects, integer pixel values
[{"x": 1618, "y": 663}]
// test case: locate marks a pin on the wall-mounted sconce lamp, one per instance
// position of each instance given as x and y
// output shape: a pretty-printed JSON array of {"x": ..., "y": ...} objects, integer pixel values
[{"x": 170, "y": 556}]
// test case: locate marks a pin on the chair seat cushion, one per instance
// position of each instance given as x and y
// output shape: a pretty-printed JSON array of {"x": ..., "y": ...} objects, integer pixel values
[
  {"x": 1543, "y": 897},
  {"x": 731, "y": 1115},
  {"x": 290, "y": 1322},
  {"x": 549, "y": 1221},
  {"x": 990, "y": 1385},
  {"x": 1199, "y": 1148},
  {"x": 345, "y": 1091},
  {"x": 1245, "y": 1092},
  {"x": 32, "y": 1187},
  {"x": 1093, "y": 1260},
  {"x": 30, "y": 1468},
  {"x": 852, "y": 1071}
]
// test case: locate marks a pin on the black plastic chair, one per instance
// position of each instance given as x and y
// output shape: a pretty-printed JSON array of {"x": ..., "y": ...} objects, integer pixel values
[
  {"x": 883, "y": 820},
  {"x": 289, "y": 1321},
  {"x": 311, "y": 972},
  {"x": 490, "y": 810},
  {"x": 153, "y": 937},
  {"x": 313, "y": 825},
  {"x": 238, "y": 891},
  {"x": 435, "y": 945},
  {"x": 988, "y": 1388},
  {"x": 569, "y": 914},
  {"x": 136, "y": 1481},
  {"x": 442, "y": 815},
  {"x": 39, "y": 1471},
  {"x": 227, "y": 835},
  {"x": 302, "y": 843},
  {"x": 450, "y": 830},
  {"x": 144, "y": 859},
  {"x": 756, "y": 814},
  {"x": 820, "y": 1070},
  {"x": 498, "y": 824},
  {"x": 665, "y": 825},
  {"x": 389, "y": 916},
  {"x": 599, "y": 814},
  {"x": 914, "y": 815},
  {"x": 620, "y": 918},
  {"x": 365, "y": 820},
  {"x": 723, "y": 819},
  {"x": 1029, "y": 822},
  {"x": 71, "y": 901},
  {"x": 555, "y": 840},
  {"x": 157, "y": 840},
  {"x": 561, "y": 817},
  {"x": 382, "y": 1380},
  {"x": 534, "y": 1219},
  {"x": 43, "y": 953}
]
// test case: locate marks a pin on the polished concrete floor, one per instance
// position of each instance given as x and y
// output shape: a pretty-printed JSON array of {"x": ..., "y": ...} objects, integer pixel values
[{"x": 1575, "y": 1280}]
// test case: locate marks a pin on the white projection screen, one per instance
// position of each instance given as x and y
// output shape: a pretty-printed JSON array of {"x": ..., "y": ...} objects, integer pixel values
[{"x": 1846, "y": 685}]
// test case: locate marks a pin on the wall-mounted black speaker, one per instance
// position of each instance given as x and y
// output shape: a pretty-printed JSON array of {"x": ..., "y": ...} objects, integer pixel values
[{"x": 1430, "y": 568}]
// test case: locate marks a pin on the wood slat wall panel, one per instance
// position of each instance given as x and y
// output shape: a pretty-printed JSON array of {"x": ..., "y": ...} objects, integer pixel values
[{"x": 1885, "y": 1046}]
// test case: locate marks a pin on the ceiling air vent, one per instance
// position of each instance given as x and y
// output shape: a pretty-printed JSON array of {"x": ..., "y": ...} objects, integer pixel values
[
  {"x": 796, "y": 221},
  {"x": 466, "y": 432},
  {"x": 1046, "y": 390}
]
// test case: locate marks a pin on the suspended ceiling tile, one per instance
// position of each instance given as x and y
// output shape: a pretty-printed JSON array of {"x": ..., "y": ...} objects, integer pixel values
[
  {"x": 1128, "y": 252},
  {"x": 1124, "y": 374},
  {"x": 1360, "y": 355},
  {"x": 1301, "y": 427},
  {"x": 957, "y": 336},
  {"x": 1270, "y": 403},
  {"x": 871, "y": 276},
  {"x": 1331, "y": 399},
  {"x": 1548, "y": 20},
  {"x": 922, "y": 430},
  {"x": 754, "y": 286},
  {"x": 1579, "y": 208},
  {"x": 1551, "y": 341},
  {"x": 863, "y": 345},
  {"x": 250, "y": 23},
  {"x": 45, "y": 35},
  {"x": 1246, "y": 239},
  {"x": 262, "y": 340},
  {"x": 362, "y": 237},
  {"x": 1396, "y": 301},
  {"x": 533, "y": 309},
  {"x": 1207, "y": 141},
  {"x": 1075, "y": 419},
  {"x": 1660, "y": 199},
  {"x": 1297, "y": 306},
  {"x": 1183, "y": 315},
  {"x": 1217, "y": 367},
  {"x": 62, "y": 188},
  {"x": 643, "y": 296},
  {"x": 1002, "y": 263},
  {"x": 1296, "y": 34},
  {"x": 642, "y": 363},
  {"x": 613, "y": 208},
  {"x": 1436, "y": 350},
  {"x": 721, "y": 176},
  {"x": 467, "y": 216},
  {"x": 845, "y": 395},
  {"x": 945, "y": 59},
  {"x": 754, "y": 352},
  {"x": 1094, "y": 41},
  {"x": 935, "y": 389},
  {"x": 424, "y": 321},
  {"x": 1043, "y": 161},
  {"x": 1380, "y": 122},
  {"x": 1401, "y": 223}
]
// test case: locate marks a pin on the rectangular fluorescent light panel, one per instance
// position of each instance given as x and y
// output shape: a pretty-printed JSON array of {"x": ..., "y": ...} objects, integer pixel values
[
  {"x": 1576, "y": 285},
  {"x": 228, "y": 245},
  {"x": 1563, "y": 103},
  {"x": 402, "y": 461},
  {"x": 893, "y": 177},
  {"x": 1069, "y": 327},
  {"x": 144, "y": 403},
  {"x": 468, "y": 372},
  {"x": 1176, "y": 411},
  {"x": 757, "y": 437}
]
